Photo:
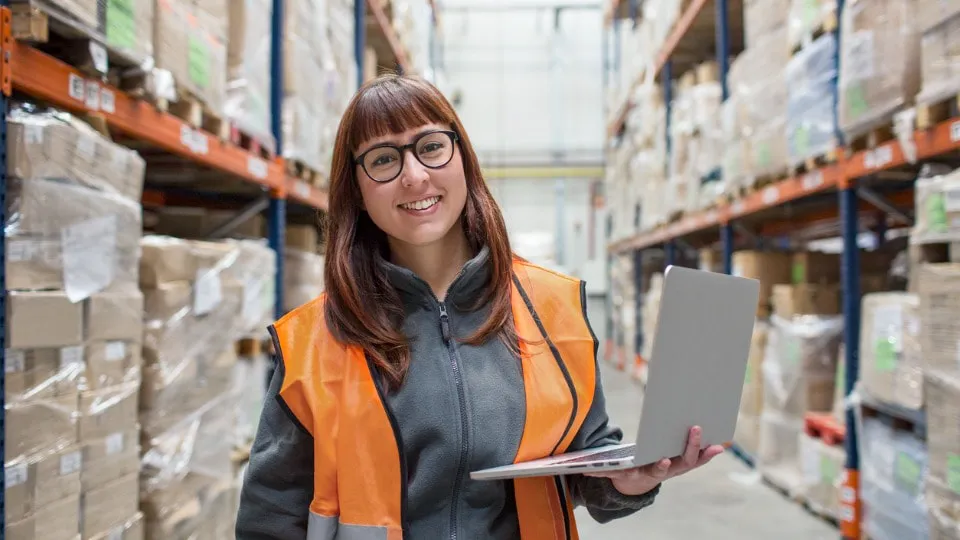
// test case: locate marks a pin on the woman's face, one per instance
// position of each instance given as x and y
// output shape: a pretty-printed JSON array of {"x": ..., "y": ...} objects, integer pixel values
[{"x": 428, "y": 190}]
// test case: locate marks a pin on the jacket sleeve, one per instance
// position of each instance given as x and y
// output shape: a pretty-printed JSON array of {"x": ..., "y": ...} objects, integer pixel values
[
  {"x": 278, "y": 487},
  {"x": 603, "y": 501}
]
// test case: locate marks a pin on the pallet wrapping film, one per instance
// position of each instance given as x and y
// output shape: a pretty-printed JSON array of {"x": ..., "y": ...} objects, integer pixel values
[
  {"x": 937, "y": 208},
  {"x": 879, "y": 62},
  {"x": 799, "y": 367},
  {"x": 890, "y": 360},
  {"x": 943, "y": 441},
  {"x": 811, "y": 93},
  {"x": 893, "y": 468},
  {"x": 747, "y": 434},
  {"x": 822, "y": 465},
  {"x": 762, "y": 18},
  {"x": 247, "y": 102},
  {"x": 807, "y": 17},
  {"x": 939, "y": 290},
  {"x": 930, "y": 13},
  {"x": 302, "y": 277},
  {"x": 940, "y": 62}
]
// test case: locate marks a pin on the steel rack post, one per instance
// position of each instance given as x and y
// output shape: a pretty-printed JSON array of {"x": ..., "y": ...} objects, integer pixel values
[
  {"x": 850, "y": 277},
  {"x": 723, "y": 45},
  {"x": 638, "y": 301},
  {"x": 5, "y": 9},
  {"x": 726, "y": 245},
  {"x": 276, "y": 218},
  {"x": 359, "y": 36},
  {"x": 667, "y": 79},
  {"x": 670, "y": 253}
]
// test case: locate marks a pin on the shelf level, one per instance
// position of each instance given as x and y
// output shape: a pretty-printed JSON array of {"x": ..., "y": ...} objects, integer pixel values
[
  {"x": 304, "y": 193},
  {"x": 938, "y": 140}
]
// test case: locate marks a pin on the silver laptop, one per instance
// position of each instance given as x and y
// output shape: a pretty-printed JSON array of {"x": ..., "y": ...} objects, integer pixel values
[{"x": 696, "y": 375}]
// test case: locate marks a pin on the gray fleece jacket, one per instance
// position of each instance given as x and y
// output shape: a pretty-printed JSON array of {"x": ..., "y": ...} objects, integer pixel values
[{"x": 461, "y": 408}]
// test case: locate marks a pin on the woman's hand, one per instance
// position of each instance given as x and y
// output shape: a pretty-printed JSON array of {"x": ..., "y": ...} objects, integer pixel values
[{"x": 640, "y": 480}]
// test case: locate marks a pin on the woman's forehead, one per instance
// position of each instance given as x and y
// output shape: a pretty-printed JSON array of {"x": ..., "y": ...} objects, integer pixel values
[{"x": 403, "y": 137}]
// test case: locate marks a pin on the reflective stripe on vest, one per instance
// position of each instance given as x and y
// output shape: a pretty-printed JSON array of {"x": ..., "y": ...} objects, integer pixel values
[{"x": 330, "y": 389}]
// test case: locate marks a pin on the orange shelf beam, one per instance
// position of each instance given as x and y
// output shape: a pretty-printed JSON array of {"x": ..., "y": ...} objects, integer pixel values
[
  {"x": 679, "y": 30},
  {"x": 42, "y": 76},
  {"x": 303, "y": 192},
  {"x": 376, "y": 7}
]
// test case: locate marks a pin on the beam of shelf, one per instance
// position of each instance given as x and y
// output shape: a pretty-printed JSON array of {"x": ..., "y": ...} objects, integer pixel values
[
  {"x": 303, "y": 192},
  {"x": 938, "y": 140}
]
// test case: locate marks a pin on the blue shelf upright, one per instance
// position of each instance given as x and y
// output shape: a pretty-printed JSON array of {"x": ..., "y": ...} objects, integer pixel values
[
  {"x": 3, "y": 299},
  {"x": 850, "y": 278},
  {"x": 276, "y": 216}
]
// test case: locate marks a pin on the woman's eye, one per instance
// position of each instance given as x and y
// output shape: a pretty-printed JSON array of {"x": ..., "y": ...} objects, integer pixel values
[
  {"x": 431, "y": 147},
  {"x": 382, "y": 160}
]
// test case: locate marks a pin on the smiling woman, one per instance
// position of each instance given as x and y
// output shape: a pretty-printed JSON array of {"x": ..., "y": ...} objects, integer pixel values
[{"x": 433, "y": 353}]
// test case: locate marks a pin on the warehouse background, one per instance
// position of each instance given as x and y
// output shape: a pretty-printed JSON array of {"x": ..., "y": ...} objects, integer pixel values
[{"x": 164, "y": 180}]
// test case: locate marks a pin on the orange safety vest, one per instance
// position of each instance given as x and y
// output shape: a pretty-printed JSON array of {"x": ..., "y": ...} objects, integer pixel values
[{"x": 359, "y": 478}]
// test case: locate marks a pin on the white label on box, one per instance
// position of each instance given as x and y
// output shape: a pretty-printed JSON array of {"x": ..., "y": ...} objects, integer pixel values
[
  {"x": 116, "y": 350},
  {"x": 15, "y": 361},
  {"x": 858, "y": 59},
  {"x": 771, "y": 194},
  {"x": 951, "y": 196},
  {"x": 89, "y": 256},
  {"x": 99, "y": 56},
  {"x": 70, "y": 463},
  {"x": 93, "y": 96},
  {"x": 86, "y": 147},
  {"x": 114, "y": 443},
  {"x": 888, "y": 325},
  {"x": 207, "y": 291},
  {"x": 33, "y": 134},
  {"x": 76, "y": 87},
  {"x": 878, "y": 158},
  {"x": 15, "y": 474},
  {"x": 71, "y": 355},
  {"x": 20, "y": 250},
  {"x": 108, "y": 102},
  {"x": 955, "y": 132}
]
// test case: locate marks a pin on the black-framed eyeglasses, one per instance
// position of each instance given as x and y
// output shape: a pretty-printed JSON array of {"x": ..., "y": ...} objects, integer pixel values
[{"x": 433, "y": 149}]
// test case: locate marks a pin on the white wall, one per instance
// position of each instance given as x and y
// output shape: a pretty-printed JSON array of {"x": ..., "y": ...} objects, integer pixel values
[{"x": 517, "y": 109}]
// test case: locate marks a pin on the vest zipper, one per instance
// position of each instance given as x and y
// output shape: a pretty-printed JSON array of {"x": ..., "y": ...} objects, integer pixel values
[{"x": 461, "y": 401}]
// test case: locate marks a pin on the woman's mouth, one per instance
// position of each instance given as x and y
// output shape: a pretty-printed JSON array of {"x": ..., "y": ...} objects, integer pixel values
[{"x": 421, "y": 205}]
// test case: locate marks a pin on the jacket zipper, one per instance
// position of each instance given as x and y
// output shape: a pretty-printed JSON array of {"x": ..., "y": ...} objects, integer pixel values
[{"x": 461, "y": 401}]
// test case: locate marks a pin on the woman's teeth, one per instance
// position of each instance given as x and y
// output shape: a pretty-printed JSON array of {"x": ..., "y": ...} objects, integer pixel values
[{"x": 421, "y": 204}]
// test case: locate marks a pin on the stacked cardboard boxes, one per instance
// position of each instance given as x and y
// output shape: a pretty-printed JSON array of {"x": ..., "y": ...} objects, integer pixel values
[
  {"x": 74, "y": 316},
  {"x": 822, "y": 467},
  {"x": 890, "y": 355},
  {"x": 811, "y": 116},
  {"x": 939, "y": 23},
  {"x": 248, "y": 66},
  {"x": 806, "y": 17},
  {"x": 747, "y": 435}
]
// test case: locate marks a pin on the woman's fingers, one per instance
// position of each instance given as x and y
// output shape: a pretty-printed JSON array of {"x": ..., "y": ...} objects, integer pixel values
[{"x": 692, "y": 452}]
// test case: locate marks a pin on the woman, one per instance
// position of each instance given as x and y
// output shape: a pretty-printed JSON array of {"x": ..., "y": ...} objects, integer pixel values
[{"x": 434, "y": 352}]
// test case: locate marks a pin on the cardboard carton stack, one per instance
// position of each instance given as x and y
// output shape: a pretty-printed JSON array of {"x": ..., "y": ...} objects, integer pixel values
[
  {"x": 770, "y": 268},
  {"x": 248, "y": 67},
  {"x": 822, "y": 467},
  {"x": 74, "y": 330},
  {"x": 879, "y": 63},
  {"x": 813, "y": 288},
  {"x": 747, "y": 435},
  {"x": 302, "y": 266},
  {"x": 939, "y": 22},
  {"x": 806, "y": 17},
  {"x": 200, "y": 298},
  {"x": 890, "y": 355},
  {"x": 799, "y": 367},
  {"x": 644, "y": 182},
  {"x": 811, "y": 116}
]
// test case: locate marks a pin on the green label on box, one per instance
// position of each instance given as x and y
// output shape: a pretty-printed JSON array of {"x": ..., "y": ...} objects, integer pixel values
[
  {"x": 764, "y": 155},
  {"x": 885, "y": 355},
  {"x": 856, "y": 100},
  {"x": 811, "y": 8},
  {"x": 841, "y": 373},
  {"x": 802, "y": 140},
  {"x": 198, "y": 62},
  {"x": 937, "y": 212},
  {"x": 121, "y": 28},
  {"x": 828, "y": 470},
  {"x": 799, "y": 272},
  {"x": 907, "y": 472},
  {"x": 953, "y": 472},
  {"x": 791, "y": 351}
]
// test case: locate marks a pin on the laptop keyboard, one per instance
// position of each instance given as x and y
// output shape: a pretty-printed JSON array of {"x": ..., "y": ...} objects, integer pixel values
[{"x": 606, "y": 455}]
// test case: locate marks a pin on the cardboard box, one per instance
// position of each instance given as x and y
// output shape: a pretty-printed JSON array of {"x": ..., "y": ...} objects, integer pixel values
[
  {"x": 302, "y": 237},
  {"x": 939, "y": 291},
  {"x": 37, "y": 425},
  {"x": 763, "y": 17},
  {"x": 33, "y": 263},
  {"x": 930, "y": 13},
  {"x": 806, "y": 299},
  {"x": 107, "y": 411},
  {"x": 890, "y": 360},
  {"x": 56, "y": 521},
  {"x": 110, "y": 458},
  {"x": 164, "y": 260},
  {"x": 940, "y": 58},
  {"x": 167, "y": 300},
  {"x": 822, "y": 467},
  {"x": 33, "y": 374},
  {"x": 131, "y": 529},
  {"x": 109, "y": 506},
  {"x": 800, "y": 365},
  {"x": 778, "y": 457},
  {"x": 43, "y": 319},
  {"x": 815, "y": 267},
  {"x": 188, "y": 222},
  {"x": 711, "y": 260},
  {"x": 111, "y": 363},
  {"x": 39, "y": 480},
  {"x": 115, "y": 316},
  {"x": 768, "y": 267}
]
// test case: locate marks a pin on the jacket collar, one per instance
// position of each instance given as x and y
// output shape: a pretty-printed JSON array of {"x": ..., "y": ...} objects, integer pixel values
[{"x": 464, "y": 291}]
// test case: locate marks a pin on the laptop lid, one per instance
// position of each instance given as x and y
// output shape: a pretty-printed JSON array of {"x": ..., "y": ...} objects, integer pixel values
[{"x": 698, "y": 361}]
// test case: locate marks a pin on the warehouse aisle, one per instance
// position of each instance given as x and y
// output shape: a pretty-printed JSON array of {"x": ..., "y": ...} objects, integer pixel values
[{"x": 722, "y": 501}]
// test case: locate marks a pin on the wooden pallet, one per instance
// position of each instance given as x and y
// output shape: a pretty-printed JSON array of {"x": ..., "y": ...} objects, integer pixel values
[
  {"x": 250, "y": 347},
  {"x": 825, "y": 427},
  {"x": 931, "y": 114},
  {"x": 815, "y": 162},
  {"x": 195, "y": 113},
  {"x": 301, "y": 170},
  {"x": 251, "y": 143},
  {"x": 875, "y": 136},
  {"x": 827, "y": 25}
]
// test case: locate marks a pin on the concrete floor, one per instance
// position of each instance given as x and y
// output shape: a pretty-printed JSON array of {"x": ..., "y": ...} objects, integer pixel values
[{"x": 721, "y": 501}]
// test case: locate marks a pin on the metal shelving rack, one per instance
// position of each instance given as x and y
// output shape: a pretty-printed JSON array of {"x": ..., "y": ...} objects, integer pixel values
[
  {"x": 32, "y": 73},
  {"x": 852, "y": 183}
]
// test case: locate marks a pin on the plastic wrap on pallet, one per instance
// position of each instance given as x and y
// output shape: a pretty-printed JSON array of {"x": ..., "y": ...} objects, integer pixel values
[
  {"x": 762, "y": 18},
  {"x": 822, "y": 466},
  {"x": 939, "y": 290},
  {"x": 930, "y": 13},
  {"x": 247, "y": 101},
  {"x": 942, "y": 391},
  {"x": 879, "y": 62},
  {"x": 937, "y": 208},
  {"x": 747, "y": 434},
  {"x": 890, "y": 359},
  {"x": 187, "y": 475},
  {"x": 302, "y": 277},
  {"x": 811, "y": 86},
  {"x": 940, "y": 61},
  {"x": 250, "y": 374},
  {"x": 302, "y": 131},
  {"x": 48, "y": 144},
  {"x": 188, "y": 43},
  {"x": 806, "y": 17},
  {"x": 893, "y": 465}
]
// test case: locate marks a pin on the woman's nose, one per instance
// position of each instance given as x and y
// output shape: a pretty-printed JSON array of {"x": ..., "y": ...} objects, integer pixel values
[{"x": 413, "y": 171}]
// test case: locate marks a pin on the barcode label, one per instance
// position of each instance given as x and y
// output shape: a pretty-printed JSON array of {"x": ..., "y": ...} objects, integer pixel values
[
  {"x": 107, "y": 101},
  {"x": 257, "y": 167},
  {"x": 99, "y": 56},
  {"x": 93, "y": 96},
  {"x": 15, "y": 361},
  {"x": 15, "y": 475},
  {"x": 878, "y": 158},
  {"x": 71, "y": 355},
  {"x": 114, "y": 443},
  {"x": 955, "y": 132},
  {"x": 116, "y": 350},
  {"x": 77, "y": 89},
  {"x": 303, "y": 190},
  {"x": 195, "y": 141},
  {"x": 70, "y": 463},
  {"x": 812, "y": 180}
]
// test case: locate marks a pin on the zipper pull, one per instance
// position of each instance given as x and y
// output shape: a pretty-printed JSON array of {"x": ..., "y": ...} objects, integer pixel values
[{"x": 444, "y": 323}]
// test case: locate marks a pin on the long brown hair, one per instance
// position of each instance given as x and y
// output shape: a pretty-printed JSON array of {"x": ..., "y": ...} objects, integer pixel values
[{"x": 362, "y": 308}]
